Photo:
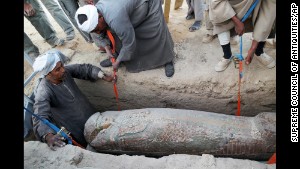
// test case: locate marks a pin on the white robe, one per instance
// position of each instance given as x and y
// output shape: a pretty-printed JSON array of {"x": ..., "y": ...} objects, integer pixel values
[{"x": 262, "y": 17}]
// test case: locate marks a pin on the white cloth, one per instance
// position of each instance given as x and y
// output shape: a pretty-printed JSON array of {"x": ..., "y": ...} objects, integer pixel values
[
  {"x": 224, "y": 37},
  {"x": 92, "y": 17},
  {"x": 100, "y": 74},
  {"x": 46, "y": 62}
]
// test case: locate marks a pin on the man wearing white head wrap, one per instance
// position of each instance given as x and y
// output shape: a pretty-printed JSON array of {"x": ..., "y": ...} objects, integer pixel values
[
  {"x": 46, "y": 62},
  {"x": 59, "y": 100},
  {"x": 140, "y": 25},
  {"x": 92, "y": 18}
]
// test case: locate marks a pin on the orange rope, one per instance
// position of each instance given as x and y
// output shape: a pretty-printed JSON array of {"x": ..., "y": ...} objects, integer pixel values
[
  {"x": 238, "y": 112},
  {"x": 113, "y": 50},
  {"x": 75, "y": 143},
  {"x": 111, "y": 38},
  {"x": 115, "y": 87}
]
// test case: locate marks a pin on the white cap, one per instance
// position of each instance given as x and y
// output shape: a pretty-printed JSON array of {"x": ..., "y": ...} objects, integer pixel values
[
  {"x": 92, "y": 17},
  {"x": 46, "y": 62}
]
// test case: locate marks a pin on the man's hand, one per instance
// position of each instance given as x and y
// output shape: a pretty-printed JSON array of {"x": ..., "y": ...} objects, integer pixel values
[
  {"x": 91, "y": 2},
  {"x": 54, "y": 141},
  {"x": 108, "y": 51},
  {"x": 116, "y": 65},
  {"x": 28, "y": 9},
  {"x": 251, "y": 52},
  {"x": 110, "y": 78},
  {"x": 238, "y": 26},
  {"x": 110, "y": 55}
]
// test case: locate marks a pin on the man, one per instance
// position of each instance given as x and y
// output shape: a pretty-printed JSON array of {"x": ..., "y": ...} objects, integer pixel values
[
  {"x": 29, "y": 48},
  {"x": 105, "y": 46},
  {"x": 140, "y": 25},
  {"x": 37, "y": 17},
  {"x": 195, "y": 10},
  {"x": 59, "y": 100},
  {"x": 70, "y": 7},
  {"x": 57, "y": 13},
  {"x": 209, "y": 36},
  {"x": 102, "y": 41},
  {"x": 226, "y": 15}
]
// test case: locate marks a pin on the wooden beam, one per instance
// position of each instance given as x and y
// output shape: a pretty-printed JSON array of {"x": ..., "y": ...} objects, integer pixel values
[
  {"x": 167, "y": 10},
  {"x": 178, "y": 4}
]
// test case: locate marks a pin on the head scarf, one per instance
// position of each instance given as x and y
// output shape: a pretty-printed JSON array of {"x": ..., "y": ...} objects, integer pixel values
[
  {"x": 92, "y": 17},
  {"x": 46, "y": 62}
]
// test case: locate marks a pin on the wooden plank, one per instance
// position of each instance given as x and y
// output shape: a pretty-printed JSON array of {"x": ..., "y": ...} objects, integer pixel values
[
  {"x": 167, "y": 10},
  {"x": 178, "y": 4}
]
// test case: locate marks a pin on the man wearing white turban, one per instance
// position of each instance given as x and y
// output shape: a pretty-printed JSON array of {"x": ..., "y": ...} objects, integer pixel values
[
  {"x": 139, "y": 24},
  {"x": 59, "y": 100}
]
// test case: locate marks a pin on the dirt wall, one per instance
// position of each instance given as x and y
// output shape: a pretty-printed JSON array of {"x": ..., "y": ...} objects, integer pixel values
[{"x": 195, "y": 85}]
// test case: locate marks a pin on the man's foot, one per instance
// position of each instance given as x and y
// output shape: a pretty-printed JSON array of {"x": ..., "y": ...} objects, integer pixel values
[
  {"x": 90, "y": 41},
  {"x": 266, "y": 60},
  {"x": 34, "y": 54},
  {"x": 102, "y": 49},
  {"x": 70, "y": 36},
  {"x": 222, "y": 65},
  {"x": 189, "y": 17},
  {"x": 195, "y": 26},
  {"x": 169, "y": 69},
  {"x": 208, "y": 38},
  {"x": 58, "y": 42},
  {"x": 106, "y": 63}
]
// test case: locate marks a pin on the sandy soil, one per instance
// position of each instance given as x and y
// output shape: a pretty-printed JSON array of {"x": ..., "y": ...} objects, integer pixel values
[
  {"x": 195, "y": 84},
  {"x": 38, "y": 155}
]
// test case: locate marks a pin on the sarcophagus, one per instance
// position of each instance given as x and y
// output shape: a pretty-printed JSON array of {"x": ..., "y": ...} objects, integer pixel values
[{"x": 164, "y": 131}]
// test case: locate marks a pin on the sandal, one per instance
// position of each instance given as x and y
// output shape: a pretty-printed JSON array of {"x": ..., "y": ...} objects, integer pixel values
[
  {"x": 195, "y": 26},
  {"x": 102, "y": 49},
  {"x": 189, "y": 17}
]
